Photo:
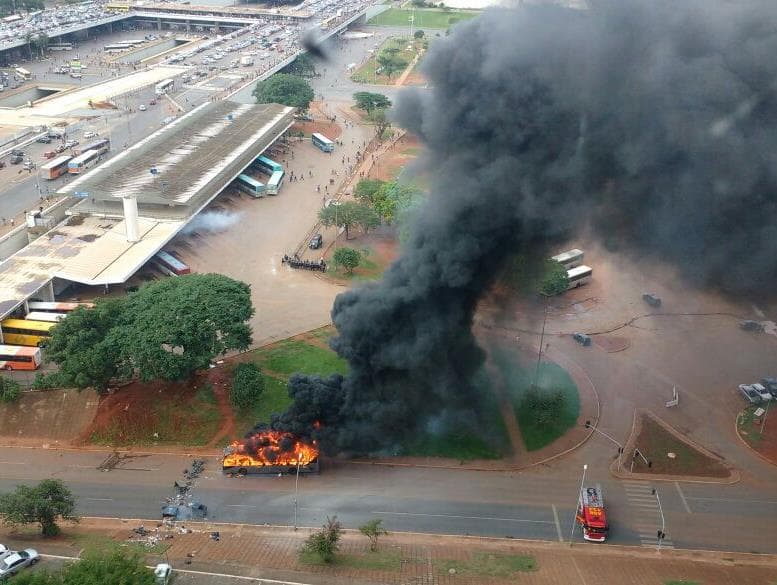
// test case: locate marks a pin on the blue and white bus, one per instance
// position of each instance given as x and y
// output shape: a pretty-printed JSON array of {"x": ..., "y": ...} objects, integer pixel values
[
  {"x": 82, "y": 162},
  {"x": 249, "y": 185},
  {"x": 163, "y": 87},
  {"x": 267, "y": 165},
  {"x": 274, "y": 184},
  {"x": 322, "y": 142}
]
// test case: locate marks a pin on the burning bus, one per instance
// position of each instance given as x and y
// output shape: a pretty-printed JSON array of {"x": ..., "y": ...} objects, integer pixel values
[{"x": 271, "y": 452}]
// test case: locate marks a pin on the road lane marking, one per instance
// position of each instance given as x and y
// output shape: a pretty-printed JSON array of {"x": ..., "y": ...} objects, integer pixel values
[
  {"x": 99, "y": 499},
  {"x": 461, "y": 517},
  {"x": 736, "y": 500},
  {"x": 14, "y": 463},
  {"x": 558, "y": 525},
  {"x": 682, "y": 498},
  {"x": 240, "y": 506},
  {"x": 579, "y": 572}
]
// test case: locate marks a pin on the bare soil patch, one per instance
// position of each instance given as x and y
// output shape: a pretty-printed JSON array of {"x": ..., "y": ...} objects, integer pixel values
[
  {"x": 657, "y": 441},
  {"x": 612, "y": 343},
  {"x": 55, "y": 415},
  {"x": 759, "y": 434}
]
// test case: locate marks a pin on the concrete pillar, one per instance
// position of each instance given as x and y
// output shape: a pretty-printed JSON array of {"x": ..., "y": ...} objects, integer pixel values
[
  {"x": 159, "y": 23},
  {"x": 131, "y": 218},
  {"x": 188, "y": 26}
]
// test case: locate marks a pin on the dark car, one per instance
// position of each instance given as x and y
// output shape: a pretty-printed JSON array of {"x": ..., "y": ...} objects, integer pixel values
[
  {"x": 16, "y": 159},
  {"x": 652, "y": 299},
  {"x": 316, "y": 242},
  {"x": 750, "y": 325},
  {"x": 17, "y": 152},
  {"x": 43, "y": 139},
  {"x": 582, "y": 339},
  {"x": 770, "y": 384}
]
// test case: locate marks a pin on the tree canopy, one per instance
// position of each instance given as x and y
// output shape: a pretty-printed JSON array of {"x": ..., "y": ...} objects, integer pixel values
[
  {"x": 167, "y": 329},
  {"x": 348, "y": 258},
  {"x": 286, "y": 89},
  {"x": 554, "y": 280},
  {"x": 368, "y": 101},
  {"x": 302, "y": 66},
  {"x": 390, "y": 61},
  {"x": 387, "y": 199},
  {"x": 95, "y": 568},
  {"x": 42, "y": 504}
]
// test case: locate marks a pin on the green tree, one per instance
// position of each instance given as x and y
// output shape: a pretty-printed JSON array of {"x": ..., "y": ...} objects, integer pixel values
[
  {"x": 79, "y": 344},
  {"x": 167, "y": 329},
  {"x": 302, "y": 66},
  {"x": 381, "y": 121},
  {"x": 41, "y": 43},
  {"x": 368, "y": 189},
  {"x": 419, "y": 34},
  {"x": 391, "y": 62},
  {"x": 10, "y": 390},
  {"x": 393, "y": 199},
  {"x": 554, "y": 280},
  {"x": 373, "y": 530},
  {"x": 95, "y": 568},
  {"x": 369, "y": 101},
  {"x": 325, "y": 542},
  {"x": 366, "y": 217},
  {"x": 348, "y": 258},
  {"x": 247, "y": 385},
  {"x": 42, "y": 504},
  {"x": 286, "y": 89},
  {"x": 345, "y": 215}
]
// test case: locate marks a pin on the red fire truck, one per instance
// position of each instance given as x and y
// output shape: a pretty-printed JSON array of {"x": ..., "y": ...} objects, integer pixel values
[{"x": 590, "y": 514}]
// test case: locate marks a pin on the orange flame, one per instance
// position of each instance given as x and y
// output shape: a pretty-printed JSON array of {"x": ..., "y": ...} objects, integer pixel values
[{"x": 268, "y": 448}]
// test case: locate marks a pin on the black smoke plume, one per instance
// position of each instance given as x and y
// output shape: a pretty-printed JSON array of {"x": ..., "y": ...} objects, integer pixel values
[{"x": 652, "y": 121}]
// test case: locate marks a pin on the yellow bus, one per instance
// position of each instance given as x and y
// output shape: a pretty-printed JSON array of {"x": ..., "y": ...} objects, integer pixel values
[
  {"x": 118, "y": 6},
  {"x": 23, "y": 332}
]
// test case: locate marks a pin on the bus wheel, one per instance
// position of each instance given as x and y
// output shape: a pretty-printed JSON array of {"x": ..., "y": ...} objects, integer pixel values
[{"x": 242, "y": 472}]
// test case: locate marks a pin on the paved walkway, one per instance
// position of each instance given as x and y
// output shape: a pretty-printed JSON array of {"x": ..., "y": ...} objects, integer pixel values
[{"x": 272, "y": 553}]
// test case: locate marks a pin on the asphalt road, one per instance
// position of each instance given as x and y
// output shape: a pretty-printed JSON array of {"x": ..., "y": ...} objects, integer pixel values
[{"x": 536, "y": 505}]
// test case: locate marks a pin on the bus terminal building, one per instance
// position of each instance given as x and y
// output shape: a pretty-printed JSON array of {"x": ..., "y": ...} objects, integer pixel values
[{"x": 136, "y": 202}]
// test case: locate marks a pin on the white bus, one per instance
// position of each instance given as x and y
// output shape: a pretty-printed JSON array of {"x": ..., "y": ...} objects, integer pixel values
[
  {"x": 23, "y": 73},
  {"x": 56, "y": 306},
  {"x": 82, "y": 162},
  {"x": 322, "y": 142},
  {"x": 61, "y": 47},
  {"x": 45, "y": 316},
  {"x": 579, "y": 276},
  {"x": 117, "y": 47},
  {"x": 162, "y": 87},
  {"x": 569, "y": 259}
]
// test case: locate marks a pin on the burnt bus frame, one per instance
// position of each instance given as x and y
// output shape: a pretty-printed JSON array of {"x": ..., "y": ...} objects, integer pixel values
[{"x": 312, "y": 467}]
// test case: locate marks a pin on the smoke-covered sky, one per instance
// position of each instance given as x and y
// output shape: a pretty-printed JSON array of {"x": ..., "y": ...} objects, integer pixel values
[{"x": 653, "y": 121}]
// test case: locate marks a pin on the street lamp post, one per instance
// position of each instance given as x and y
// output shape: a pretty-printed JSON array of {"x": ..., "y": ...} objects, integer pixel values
[
  {"x": 542, "y": 340},
  {"x": 574, "y": 517},
  {"x": 588, "y": 425},
  {"x": 296, "y": 491},
  {"x": 661, "y": 534},
  {"x": 763, "y": 420}
]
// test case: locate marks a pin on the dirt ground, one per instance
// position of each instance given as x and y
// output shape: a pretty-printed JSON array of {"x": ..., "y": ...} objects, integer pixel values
[
  {"x": 761, "y": 435},
  {"x": 398, "y": 156}
]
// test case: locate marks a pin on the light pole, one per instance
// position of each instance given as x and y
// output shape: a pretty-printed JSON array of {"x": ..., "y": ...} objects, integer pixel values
[
  {"x": 412, "y": 20},
  {"x": 574, "y": 518},
  {"x": 763, "y": 420},
  {"x": 542, "y": 340},
  {"x": 588, "y": 425},
  {"x": 661, "y": 534},
  {"x": 296, "y": 491}
]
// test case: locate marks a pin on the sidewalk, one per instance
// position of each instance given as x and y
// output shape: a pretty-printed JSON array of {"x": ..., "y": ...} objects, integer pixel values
[{"x": 403, "y": 558}]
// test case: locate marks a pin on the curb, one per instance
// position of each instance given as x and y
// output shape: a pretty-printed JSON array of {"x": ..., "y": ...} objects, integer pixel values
[{"x": 746, "y": 444}]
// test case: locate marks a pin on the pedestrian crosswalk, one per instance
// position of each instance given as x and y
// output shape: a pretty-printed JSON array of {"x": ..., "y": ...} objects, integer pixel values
[{"x": 648, "y": 513}]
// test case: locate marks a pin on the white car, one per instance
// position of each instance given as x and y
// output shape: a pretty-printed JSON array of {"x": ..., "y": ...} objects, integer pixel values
[
  {"x": 142, "y": 107},
  {"x": 11, "y": 563},
  {"x": 89, "y": 134}
]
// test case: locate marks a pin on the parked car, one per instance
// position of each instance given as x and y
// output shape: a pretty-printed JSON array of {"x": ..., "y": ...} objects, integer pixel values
[
  {"x": 652, "y": 299},
  {"x": 771, "y": 385},
  {"x": 755, "y": 393},
  {"x": 29, "y": 165},
  {"x": 582, "y": 339},
  {"x": 750, "y": 325},
  {"x": 90, "y": 134},
  {"x": 16, "y": 159},
  {"x": 142, "y": 107},
  {"x": 17, "y": 152},
  {"x": 50, "y": 154},
  {"x": 61, "y": 148},
  {"x": 43, "y": 139},
  {"x": 55, "y": 134},
  {"x": 11, "y": 564},
  {"x": 71, "y": 143},
  {"x": 316, "y": 242}
]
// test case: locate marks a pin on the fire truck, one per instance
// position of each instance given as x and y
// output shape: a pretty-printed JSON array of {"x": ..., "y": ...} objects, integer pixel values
[{"x": 590, "y": 514}]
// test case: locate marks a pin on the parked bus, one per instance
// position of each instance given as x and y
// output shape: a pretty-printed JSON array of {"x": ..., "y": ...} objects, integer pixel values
[
  {"x": 172, "y": 263},
  {"x": 55, "y": 168},
  {"x": 117, "y": 47},
  {"x": 579, "y": 276},
  {"x": 163, "y": 87},
  {"x": 56, "y": 307},
  {"x": 569, "y": 259},
  {"x": 267, "y": 165},
  {"x": 44, "y": 316},
  {"x": 82, "y": 162},
  {"x": 249, "y": 185},
  {"x": 102, "y": 146},
  {"x": 117, "y": 7},
  {"x": 23, "y": 73},
  {"x": 23, "y": 332},
  {"x": 275, "y": 182},
  {"x": 61, "y": 47},
  {"x": 322, "y": 142},
  {"x": 19, "y": 357}
]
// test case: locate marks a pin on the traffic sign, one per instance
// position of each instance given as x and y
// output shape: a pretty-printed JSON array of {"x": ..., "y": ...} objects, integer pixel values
[{"x": 81, "y": 194}]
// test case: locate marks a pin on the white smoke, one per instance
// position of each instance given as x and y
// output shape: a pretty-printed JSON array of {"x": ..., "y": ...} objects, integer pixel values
[{"x": 212, "y": 221}]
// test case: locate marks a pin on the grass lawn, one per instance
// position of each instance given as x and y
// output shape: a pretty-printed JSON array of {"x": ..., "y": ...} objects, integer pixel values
[
  {"x": 519, "y": 378},
  {"x": 368, "y": 73},
  {"x": 365, "y": 271},
  {"x": 654, "y": 442},
  {"x": 274, "y": 400},
  {"x": 101, "y": 543},
  {"x": 488, "y": 565},
  {"x": 681, "y": 582},
  {"x": 423, "y": 17}
]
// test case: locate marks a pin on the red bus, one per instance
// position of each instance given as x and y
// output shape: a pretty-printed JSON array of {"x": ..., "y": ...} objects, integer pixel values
[
  {"x": 590, "y": 514},
  {"x": 172, "y": 263},
  {"x": 19, "y": 357}
]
